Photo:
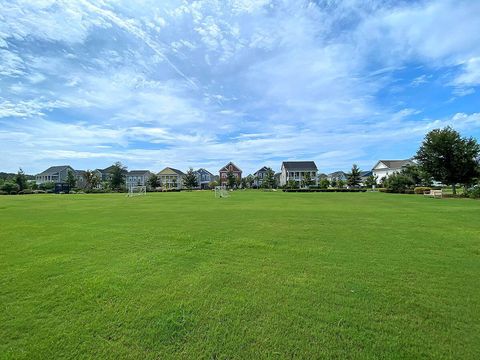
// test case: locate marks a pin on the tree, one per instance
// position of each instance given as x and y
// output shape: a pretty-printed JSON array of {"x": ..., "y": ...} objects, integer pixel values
[
  {"x": 250, "y": 180},
  {"x": 269, "y": 181},
  {"x": 231, "y": 179},
  {"x": 190, "y": 180},
  {"x": 117, "y": 176},
  {"x": 10, "y": 187},
  {"x": 449, "y": 158},
  {"x": 371, "y": 181},
  {"x": 291, "y": 184},
  {"x": 418, "y": 176},
  {"x": 354, "y": 177},
  {"x": 333, "y": 183},
  {"x": 49, "y": 185},
  {"x": 340, "y": 183},
  {"x": 212, "y": 184},
  {"x": 71, "y": 181},
  {"x": 153, "y": 181},
  {"x": 20, "y": 179},
  {"x": 307, "y": 180},
  {"x": 244, "y": 183},
  {"x": 91, "y": 179},
  {"x": 324, "y": 183},
  {"x": 398, "y": 182}
]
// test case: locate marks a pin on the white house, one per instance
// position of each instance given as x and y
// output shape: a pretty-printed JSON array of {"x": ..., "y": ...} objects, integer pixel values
[
  {"x": 385, "y": 168},
  {"x": 298, "y": 171}
]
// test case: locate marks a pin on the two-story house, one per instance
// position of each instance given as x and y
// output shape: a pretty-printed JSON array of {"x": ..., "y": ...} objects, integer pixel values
[
  {"x": 230, "y": 167},
  {"x": 385, "y": 168},
  {"x": 298, "y": 171},
  {"x": 137, "y": 178},
  {"x": 204, "y": 178},
  {"x": 171, "y": 178},
  {"x": 55, "y": 174},
  {"x": 259, "y": 176}
]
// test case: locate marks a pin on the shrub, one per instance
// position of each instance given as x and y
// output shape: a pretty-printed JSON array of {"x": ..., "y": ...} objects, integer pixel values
[
  {"x": 421, "y": 189},
  {"x": 3, "y": 192},
  {"x": 39, "y": 191},
  {"x": 474, "y": 192},
  {"x": 382, "y": 189},
  {"x": 25, "y": 192},
  {"x": 409, "y": 191}
]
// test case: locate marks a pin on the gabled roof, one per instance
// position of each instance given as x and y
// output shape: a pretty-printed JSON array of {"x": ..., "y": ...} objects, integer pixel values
[
  {"x": 176, "y": 171},
  {"x": 204, "y": 171},
  {"x": 299, "y": 165},
  {"x": 138, "y": 172},
  {"x": 365, "y": 173},
  {"x": 235, "y": 168},
  {"x": 79, "y": 172},
  {"x": 55, "y": 169},
  {"x": 263, "y": 169},
  {"x": 394, "y": 164},
  {"x": 109, "y": 170}
]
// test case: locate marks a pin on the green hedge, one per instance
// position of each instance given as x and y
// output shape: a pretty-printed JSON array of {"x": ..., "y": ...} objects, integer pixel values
[{"x": 325, "y": 190}]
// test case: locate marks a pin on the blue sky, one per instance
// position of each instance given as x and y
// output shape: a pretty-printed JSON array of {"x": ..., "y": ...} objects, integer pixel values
[{"x": 200, "y": 83}]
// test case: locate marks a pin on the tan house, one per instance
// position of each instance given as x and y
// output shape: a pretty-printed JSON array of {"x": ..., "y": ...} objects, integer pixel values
[{"x": 171, "y": 178}]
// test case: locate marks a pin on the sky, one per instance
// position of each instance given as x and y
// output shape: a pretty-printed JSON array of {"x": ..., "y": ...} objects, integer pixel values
[{"x": 257, "y": 82}]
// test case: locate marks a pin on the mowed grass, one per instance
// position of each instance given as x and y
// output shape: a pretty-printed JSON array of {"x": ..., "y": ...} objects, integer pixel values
[{"x": 255, "y": 276}]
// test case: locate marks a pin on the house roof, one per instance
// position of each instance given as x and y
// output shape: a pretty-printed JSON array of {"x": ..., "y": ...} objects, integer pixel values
[
  {"x": 110, "y": 168},
  {"x": 55, "y": 169},
  {"x": 263, "y": 169},
  {"x": 176, "y": 171},
  {"x": 394, "y": 164},
  {"x": 365, "y": 173},
  {"x": 203, "y": 170},
  {"x": 79, "y": 172},
  {"x": 299, "y": 165},
  {"x": 235, "y": 168},
  {"x": 138, "y": 172}
]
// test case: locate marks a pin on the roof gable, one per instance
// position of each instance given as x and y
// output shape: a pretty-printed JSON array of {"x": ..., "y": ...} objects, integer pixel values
[
  {"x": 262, "y": 170},
  {"x": 230, "y": 167},
  {"x": 171, "y": 171},
  {"x": 203, "y": 171},
  {"x": 392, "y": 164}
]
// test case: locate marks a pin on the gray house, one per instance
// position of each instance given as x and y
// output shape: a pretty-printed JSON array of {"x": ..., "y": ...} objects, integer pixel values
[
  {"x": 56, "y": 174},
  {"x": 297, "y": 171},
  {"x": 260, "y": 176},
  {"x": 337, "y": 175},
  {"x": 137, "y": 178},
  {"x": 204, "y": 178}
]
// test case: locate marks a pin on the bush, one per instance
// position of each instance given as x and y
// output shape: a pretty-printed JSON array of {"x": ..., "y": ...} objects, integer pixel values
[
  {"x": 25, "y": 192},
  {"x": 473, "y": 192},
  {"x": 382, "y": 189},
  {"x": 39, "y": 191},
  {"x": 3, "y": 192},
  {"x": 419, "y": 190}
]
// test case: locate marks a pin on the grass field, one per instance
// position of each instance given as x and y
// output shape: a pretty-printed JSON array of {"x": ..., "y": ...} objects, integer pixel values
[{"x": 257, "y": 275}]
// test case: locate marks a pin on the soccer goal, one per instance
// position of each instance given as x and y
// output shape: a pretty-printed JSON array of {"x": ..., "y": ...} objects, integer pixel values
[
  {"x": 221, "y": 192},
  {"x": 137, "y": 190}
]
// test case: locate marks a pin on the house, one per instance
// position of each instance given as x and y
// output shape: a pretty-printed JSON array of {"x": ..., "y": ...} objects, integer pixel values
[
  {"x": 364, "y": 176},
  {"x": 385, "y": 168},
  {"x": 297, "y": 171},
  {"x": 106, "y": 173},
  {"x": 337, "y": 175},
  {"x": 204, "y": 178},
  {"x": 80, "y": 177},
  {"x": 171, "y": 178},
  {"x": 137, "y": 178},
  {"x": 55, "y": 174},
  {"x": 230, "y": 167},
  {"x": 260, "y": 176}
]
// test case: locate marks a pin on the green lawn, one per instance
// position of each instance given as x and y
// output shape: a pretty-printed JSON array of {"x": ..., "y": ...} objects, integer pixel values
[{"x": 258, "y": 275}]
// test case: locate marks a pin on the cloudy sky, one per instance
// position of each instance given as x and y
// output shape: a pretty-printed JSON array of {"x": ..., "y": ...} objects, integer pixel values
[{"x": 200, "y": 83}]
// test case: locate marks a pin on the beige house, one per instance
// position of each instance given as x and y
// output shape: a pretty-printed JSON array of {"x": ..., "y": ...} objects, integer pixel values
[{"x": 171, "y": 178}]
